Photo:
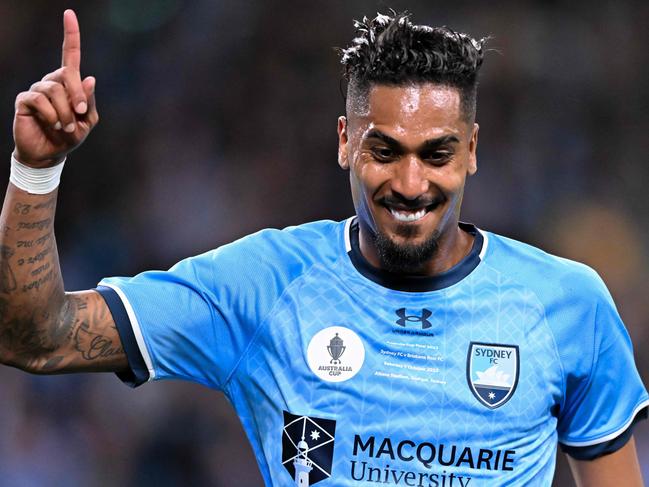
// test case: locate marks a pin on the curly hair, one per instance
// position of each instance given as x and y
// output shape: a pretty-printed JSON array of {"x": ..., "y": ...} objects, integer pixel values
[{"x": 394, "y": 51}]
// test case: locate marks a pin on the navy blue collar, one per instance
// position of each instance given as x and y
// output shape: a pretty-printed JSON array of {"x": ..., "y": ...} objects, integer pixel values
[{"x": 418, "y": 284}]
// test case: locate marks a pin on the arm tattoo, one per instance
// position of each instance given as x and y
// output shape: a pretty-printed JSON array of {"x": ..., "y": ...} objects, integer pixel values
[
  {"x": 43, "y": 329},
  {"x": 24, "y": 337},
  {"x": 39, "y": 225},
  {"x": 7, "y": 277},
  {"x": 90, "y": 328},
  {"x": 22, "y": 208},
  {"x": 47, "y": 205},
  {"x": 51, "y": 364},
  {"x": 94, "y": 345}
]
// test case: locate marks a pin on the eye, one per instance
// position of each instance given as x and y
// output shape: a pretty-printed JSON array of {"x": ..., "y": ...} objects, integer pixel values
[
  {"x": 438, "y": 157},
  {"x": 383, "y": 154}
]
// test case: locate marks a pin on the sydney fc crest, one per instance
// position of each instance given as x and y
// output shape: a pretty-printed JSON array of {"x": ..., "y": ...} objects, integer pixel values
[
  {"x": 492, "y": 372},
  {"x": 308, "y": 448}
]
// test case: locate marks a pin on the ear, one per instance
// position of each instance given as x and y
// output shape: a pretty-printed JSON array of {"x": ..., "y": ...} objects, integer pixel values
[
  {"x": 342, "y": 143},
  {"x": 473, "y": 147}
]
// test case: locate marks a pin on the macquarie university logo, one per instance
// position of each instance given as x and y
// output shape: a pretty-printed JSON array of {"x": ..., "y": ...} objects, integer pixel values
[
  {"x": 308, "y": 448},
  {"x": 405, "y": 318},
  {"x": 492, "y": 372},
  {"x": 335, "y": 354}
]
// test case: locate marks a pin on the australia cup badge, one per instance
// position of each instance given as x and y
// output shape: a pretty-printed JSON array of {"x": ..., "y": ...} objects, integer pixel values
[{"x": 335, "y": 354}]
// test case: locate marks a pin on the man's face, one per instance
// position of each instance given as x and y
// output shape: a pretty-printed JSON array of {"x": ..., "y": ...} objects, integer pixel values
[{"x": 409, "y": 150}]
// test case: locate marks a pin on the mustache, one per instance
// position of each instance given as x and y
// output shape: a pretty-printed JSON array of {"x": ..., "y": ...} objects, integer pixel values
[{"x": 398, "y": 201}]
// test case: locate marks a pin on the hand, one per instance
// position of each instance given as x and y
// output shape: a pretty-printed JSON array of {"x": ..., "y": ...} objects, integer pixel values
[{"x": 57, "y": 113}]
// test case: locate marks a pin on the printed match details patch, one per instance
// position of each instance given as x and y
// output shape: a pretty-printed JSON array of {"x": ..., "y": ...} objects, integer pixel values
[{"x": 492, "y": 372}]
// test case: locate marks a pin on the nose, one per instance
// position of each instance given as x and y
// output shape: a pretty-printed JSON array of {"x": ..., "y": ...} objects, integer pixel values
[{"x": 409, "y": 178}]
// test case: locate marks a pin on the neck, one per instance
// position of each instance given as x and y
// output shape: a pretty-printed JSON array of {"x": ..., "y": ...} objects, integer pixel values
[{"x": 453, "y": 246}]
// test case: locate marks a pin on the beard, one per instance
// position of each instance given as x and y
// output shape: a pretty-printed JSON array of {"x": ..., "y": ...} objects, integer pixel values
[{"x": 405, "y": 258}]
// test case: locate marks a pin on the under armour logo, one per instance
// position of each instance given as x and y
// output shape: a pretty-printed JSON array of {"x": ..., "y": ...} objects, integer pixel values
[{"x": 423, "y": 319}]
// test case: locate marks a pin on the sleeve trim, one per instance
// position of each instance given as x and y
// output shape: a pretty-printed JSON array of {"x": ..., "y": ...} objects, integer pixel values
[
  {"x": 137, "y": 331},
  {"x": 613, "y": 434}
]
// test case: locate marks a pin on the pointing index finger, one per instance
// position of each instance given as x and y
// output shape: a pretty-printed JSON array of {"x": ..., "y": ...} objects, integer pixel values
[{"x": 71, "y": 41}]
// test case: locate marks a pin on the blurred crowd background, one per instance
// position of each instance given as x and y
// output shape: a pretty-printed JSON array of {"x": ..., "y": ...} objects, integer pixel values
[{"x": 219, "y": 118}]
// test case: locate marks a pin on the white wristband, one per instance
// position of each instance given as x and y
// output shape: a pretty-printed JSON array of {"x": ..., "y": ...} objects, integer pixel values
[{"x": 35, "y": 181}]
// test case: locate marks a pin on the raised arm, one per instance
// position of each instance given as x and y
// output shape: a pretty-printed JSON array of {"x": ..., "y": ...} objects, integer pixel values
[{"x": 42, "y": 328}]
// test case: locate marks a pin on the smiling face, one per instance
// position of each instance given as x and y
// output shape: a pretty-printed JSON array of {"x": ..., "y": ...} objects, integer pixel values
[{"x": 409, "y": 150}]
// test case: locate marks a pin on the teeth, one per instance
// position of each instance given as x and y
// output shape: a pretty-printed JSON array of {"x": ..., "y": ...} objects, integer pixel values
[{"x": 408, "y": 216}]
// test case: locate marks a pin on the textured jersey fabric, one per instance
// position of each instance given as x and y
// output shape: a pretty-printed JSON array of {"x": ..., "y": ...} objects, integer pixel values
[{"x": 345, "y": 375}]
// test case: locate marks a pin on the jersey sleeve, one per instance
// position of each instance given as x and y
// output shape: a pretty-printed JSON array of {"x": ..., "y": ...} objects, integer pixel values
[
  {"x": 604, "y": 395},
  {"x": 194, "y": 321}
]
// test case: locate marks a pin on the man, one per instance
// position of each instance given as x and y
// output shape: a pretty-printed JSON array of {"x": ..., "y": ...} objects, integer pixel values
[{"x": 399, "y": 347}]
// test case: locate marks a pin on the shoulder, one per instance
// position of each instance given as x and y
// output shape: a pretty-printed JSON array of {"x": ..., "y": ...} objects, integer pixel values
[
  {"x": 575, "y": 305},
  {"x": 314, "y": 241},
  {"x": 573, "y": 300},
  {"x": 271, "y": 254},
  {"x": 549, "y": 276},
  {"x": 248, "y": 275}
]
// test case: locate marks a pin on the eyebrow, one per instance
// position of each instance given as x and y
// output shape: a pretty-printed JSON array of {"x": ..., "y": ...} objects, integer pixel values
[{"x": 426, "y": 145}]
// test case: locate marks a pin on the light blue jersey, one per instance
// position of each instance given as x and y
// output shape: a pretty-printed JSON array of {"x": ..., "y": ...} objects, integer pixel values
[{"x": 344, "y": 375}]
